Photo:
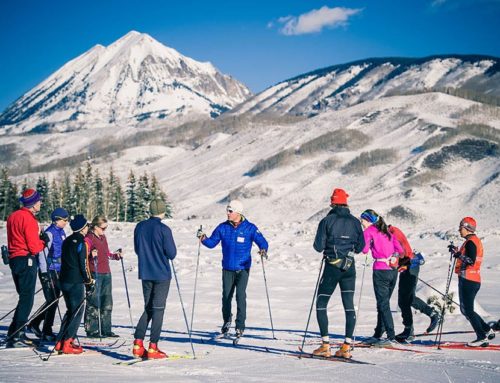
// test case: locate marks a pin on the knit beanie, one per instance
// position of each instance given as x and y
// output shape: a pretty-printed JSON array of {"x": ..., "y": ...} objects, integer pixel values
[
  {"x": 78, "y": 222},
  {"x": 235, "y": 206},
  {"x": 339, "y": 197},
  {"x": 157, "y": 207},
  {"x": 30, "y": 197}
]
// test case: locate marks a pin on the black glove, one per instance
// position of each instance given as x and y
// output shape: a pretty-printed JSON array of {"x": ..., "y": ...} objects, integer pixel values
[
  {"x": 45, "y": 238},
  {"x": 457, "y": 254},
  {"x": 263, "y": 253},
  {"x": 200, "y": 234},
  {"x": 44, "y": 278},
  {"x": 452, "y": 249}
]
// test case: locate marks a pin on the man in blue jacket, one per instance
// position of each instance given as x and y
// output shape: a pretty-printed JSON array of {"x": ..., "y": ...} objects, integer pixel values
[
  {"x": 237, "y": 235},
  {"x": 155, "y": 247}
]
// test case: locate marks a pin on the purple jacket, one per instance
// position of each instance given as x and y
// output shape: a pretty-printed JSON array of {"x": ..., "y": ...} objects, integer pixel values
[{"x": 381, "y": 247}]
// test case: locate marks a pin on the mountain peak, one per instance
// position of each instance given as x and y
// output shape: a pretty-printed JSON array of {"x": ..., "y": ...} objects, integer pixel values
[{"x": 134, "y": 80}]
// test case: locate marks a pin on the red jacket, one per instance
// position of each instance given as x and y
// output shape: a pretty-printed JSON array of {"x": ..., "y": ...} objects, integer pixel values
[
  {"x": 103, "y": 253},
  {"x": 23, "y": 234}
]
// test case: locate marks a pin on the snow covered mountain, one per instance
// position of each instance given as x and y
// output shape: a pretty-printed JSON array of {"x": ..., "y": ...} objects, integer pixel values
[
  {"x": 340, "y": 86},
  {"x": 134, "y": 80}
]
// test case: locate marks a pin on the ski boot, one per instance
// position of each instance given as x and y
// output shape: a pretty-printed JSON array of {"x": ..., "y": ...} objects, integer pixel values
[
  {"x": 154, "y": 352},
  {"x": 344, "y": 351},
  {"x": 138, "y": 350},
  {"x": 224, "y": 330},
  {"x": 239, "y": 334},
  {"x": 70, "y": 348},
  {"x": 323, "y": 350},
  {"x": 406, "y": 336},
  {"x": 479, "y": 343},
  {"x": 435, "y": 319},
  {"x": 490, "y": 334}
]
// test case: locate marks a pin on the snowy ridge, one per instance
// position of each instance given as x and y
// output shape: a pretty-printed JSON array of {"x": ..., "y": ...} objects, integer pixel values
[
  {"x": 340, "y": 86},
  {"x": 134, "y": 80}
]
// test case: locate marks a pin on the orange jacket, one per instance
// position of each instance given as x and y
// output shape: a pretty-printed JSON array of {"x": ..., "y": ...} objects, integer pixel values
[{"x": 467, "y": 271}]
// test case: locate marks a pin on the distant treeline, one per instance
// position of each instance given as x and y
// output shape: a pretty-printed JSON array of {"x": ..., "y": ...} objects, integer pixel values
[{"x": 84, "y": 191}]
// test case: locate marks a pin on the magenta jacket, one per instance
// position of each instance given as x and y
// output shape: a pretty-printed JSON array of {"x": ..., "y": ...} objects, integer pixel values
[{"x": 381, "y": 247}]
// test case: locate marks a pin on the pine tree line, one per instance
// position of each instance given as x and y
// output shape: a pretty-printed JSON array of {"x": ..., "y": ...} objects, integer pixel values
[{"x": 88, "y": 193}]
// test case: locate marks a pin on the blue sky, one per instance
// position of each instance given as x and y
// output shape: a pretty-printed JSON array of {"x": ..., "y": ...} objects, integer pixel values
[{"x": 258, "y": 42}]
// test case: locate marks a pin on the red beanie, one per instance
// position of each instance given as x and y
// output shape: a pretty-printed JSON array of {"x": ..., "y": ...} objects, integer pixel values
[
  {"x": 468, "y": 223},
  {"x": 339, "y": 197},
  {"x": 30, "y": 197}
]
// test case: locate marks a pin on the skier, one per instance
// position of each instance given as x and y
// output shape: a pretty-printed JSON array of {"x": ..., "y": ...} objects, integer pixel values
[
  {"x": 100, "y": 303},
  {"x": 468, "y": 267},
  {"x": 237, "y": 235},
  {"x": 155, "y": 247},
  {"x": 339, "y": 237},
  {"x": 409, "y": 268},
  {"x": 49, "y": 263},
  {"x": 23, "y": 238},
  {"x": 75, "y": 274},
  {"x": 386, "y": 251}
]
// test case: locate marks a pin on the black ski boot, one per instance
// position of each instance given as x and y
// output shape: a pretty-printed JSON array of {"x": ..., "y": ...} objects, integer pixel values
[
  {"x": 224, "y": 330},
  {"x": 406, "y": 336},
  {"x": 435, "y": 319},
  {"x": 237, "y": 337}
]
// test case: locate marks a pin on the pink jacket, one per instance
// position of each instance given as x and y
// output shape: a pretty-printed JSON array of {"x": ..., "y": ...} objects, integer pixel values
[{"x": 381, "y": 247}]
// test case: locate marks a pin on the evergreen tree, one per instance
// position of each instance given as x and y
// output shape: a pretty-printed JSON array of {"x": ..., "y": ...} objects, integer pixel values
[
  {"x": 55, "y": 195},
  {"x": 78, "y": 203},
  {"x": 114, "y": 203},
  {"x": 89, "y": 194},
  {"x": 9, "y": 201},
  {"x": 42, "y": 187},
  {"x": 65, "y": 192},
  {"x": 131, "y": 208},
  {"x": 143, "y": 198},
  {"x": 158, "y": 193},
  {"x": 98, "y": 193}
]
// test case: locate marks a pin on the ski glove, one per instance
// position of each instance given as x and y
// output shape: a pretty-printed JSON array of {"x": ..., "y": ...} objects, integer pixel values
[
  {"x": 200, "y": 234},
  {"x": 263, "y": 253},
  {"x": 45, "y": 238},
  {"x": 452, "y": 249},
  {"x": 45, "y": 278},
  {"x": 90, "y": 287}
]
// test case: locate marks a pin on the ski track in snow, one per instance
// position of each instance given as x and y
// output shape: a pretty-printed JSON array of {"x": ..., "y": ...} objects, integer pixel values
[{"x": 291, "y": 274}]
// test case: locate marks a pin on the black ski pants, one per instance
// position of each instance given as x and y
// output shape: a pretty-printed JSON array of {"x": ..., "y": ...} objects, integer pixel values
[
  {"x": 155, "y": 297},
  {"x": 51, "y": 290},
  {"x": 467, "y": 291},
  {"x": 384, "y": 282},
  {"x": 23, "y": 271},
  {"x": 74, "y": 297},
  {"x": 231, "y": 281},
  {"x": 406, "y": 293},
  {"x": 333, "y": 276}
]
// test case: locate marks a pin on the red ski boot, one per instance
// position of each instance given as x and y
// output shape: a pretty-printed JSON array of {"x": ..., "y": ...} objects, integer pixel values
[
  {"x": 154, "y": 352},
  {"x": 138, "y": 350},
  {"x": 70, "y": 348}
]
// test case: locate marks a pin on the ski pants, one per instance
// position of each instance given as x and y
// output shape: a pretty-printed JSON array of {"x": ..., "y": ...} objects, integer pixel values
[
  {"x": 23, "y": 271},
  {"x": 420, "y": 305},
  {"x": 99, "y": 302},
  {"x": 74, "y": 297},
  {"x": 51, "y": 290},
  {"x": 406, "y": 293},
  {"x": 384, "y": 282},
  {"x": 155, "y": 297},
  {"x": 347, "y": 280},
  {"x": 231, "y": 281},
  {"x": 467, "y": 291}
]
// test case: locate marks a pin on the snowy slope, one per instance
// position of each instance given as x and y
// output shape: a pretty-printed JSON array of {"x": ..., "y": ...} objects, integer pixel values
[
  {"x": 340, "y": 86},
  {"x": 134, "y": 80},
  {"x": 291, "y": 274}
]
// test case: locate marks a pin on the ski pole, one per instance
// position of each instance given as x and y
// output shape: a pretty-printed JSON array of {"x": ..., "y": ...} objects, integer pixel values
[
  {"x": 182, "y": 305},
  {"x": 128, "y": 297},
  {"x": 359, "y": 300},
  {"x": 195, "y": 281},
  {"x": 439, "y": 292},
  {"x": 40, "y": 310},
  {"x": 448, "y": 282},
  {"x": 51, "y": 281},
  {"x": 312, "y": 304},
  {"x": 67, "y": 323},
  {"x": 267, "y": 294},
  {"x": 98, "y": 297},
  {"x": 14, "y": 309}
]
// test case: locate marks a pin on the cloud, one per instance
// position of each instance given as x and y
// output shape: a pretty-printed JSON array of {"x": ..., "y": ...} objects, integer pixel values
[{"x": 314, "y": 21}]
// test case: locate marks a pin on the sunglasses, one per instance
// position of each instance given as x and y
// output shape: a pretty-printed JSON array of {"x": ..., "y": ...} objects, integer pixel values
[{"x": 230, "y": 211}]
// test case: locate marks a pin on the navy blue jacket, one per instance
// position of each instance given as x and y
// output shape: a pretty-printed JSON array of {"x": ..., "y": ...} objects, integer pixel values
[
  {"x": 154, "y": 246},
  {"x": 236, "y": 243}
]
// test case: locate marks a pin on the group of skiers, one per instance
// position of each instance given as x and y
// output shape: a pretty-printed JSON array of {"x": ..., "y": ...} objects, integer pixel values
[{"x": 78, "y": 266}]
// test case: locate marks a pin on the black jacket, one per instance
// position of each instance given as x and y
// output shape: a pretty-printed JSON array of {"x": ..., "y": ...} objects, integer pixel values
[
  {"x": 338, "y": 233},
  {"x": 74, "y": 263}
]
